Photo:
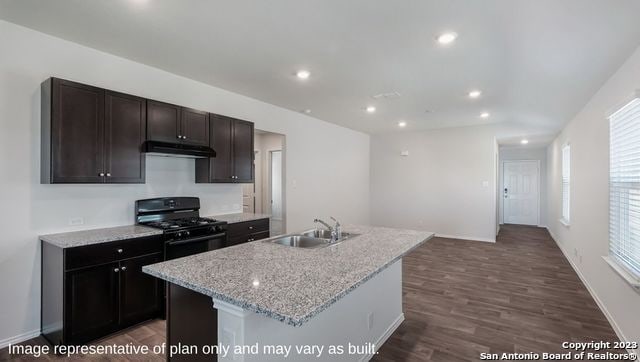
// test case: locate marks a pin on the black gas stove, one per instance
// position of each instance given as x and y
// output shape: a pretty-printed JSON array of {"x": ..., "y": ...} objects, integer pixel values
[{"x": 184, "y": 231}]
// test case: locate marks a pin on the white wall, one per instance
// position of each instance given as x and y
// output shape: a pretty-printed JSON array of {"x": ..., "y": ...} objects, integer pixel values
[
  {"x": 530, "y": 154},
  {"x": 439, "y": 186},
  {"x": 29, "y": 209},
  {"x": 586, "y": 241}
]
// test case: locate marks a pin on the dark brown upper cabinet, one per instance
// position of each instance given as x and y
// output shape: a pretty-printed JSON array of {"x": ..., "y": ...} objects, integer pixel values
[
  {"x": 125, "y": 131},
  {"x": 232, "y": 139},
  {"x": 194, "y": 127},
  {"x": 90, "y": 135},
  {"x": 170, "y": 123}
]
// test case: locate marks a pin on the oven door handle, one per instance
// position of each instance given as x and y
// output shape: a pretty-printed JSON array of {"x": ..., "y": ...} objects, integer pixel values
[{"x": 198, "y": 239}]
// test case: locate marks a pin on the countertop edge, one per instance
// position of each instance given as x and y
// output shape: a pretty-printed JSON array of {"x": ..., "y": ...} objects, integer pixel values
[{"x": 295, "y": 322}]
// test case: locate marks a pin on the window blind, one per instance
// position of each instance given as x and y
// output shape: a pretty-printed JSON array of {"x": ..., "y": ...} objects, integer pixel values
[
  {"x": 566, "y": 182},
  {"x": 624, "y": 186}
]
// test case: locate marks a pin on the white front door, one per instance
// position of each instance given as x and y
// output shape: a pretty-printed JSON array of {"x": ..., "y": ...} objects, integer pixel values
[{"x": 520, "y": 193}]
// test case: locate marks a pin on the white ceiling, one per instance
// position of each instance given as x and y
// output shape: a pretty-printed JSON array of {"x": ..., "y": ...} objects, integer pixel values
[{"x": 537, "y": 62}]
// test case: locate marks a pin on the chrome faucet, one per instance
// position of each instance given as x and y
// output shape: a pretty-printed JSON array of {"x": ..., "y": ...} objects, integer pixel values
[{"x": 336, "y": 231}]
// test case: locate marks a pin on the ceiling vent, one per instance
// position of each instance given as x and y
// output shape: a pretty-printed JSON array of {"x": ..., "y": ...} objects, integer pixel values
[{"x": 387, "y": 95}]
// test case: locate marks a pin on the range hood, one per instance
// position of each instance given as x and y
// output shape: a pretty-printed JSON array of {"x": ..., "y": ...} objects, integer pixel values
[{"x": 177, "y": 150}]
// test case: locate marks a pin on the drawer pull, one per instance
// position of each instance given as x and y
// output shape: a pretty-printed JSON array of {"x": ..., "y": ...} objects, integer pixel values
[
  {"x": 116, "y": 270},
  {"x": 120, "y": 251},
  {"x": 123, "y": 268},
  {"x": 250, "y": 227},
  {"x": 251, "y": 239}
]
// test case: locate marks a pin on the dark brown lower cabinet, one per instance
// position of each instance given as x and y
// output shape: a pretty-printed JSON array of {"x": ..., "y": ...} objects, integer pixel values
[
  {"x": 92, "y": 291},
  {"x": 92, "y": 295},
  {"x": 141, "y": 294},
  {"x": 247, "y": 231}
]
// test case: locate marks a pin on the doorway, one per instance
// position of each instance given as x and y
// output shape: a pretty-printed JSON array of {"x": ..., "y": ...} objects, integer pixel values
[
  {"x": 270, "y": 185},
  {"x": 521, "y": 192},
  {"x": 275, "y": 188}
]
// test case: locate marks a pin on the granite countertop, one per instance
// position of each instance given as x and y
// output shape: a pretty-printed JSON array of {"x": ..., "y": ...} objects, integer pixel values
[
  {"x": 240, "y": 217},
  {"x": 97, "y": 236},
  {"x": 290, "y": 284}
]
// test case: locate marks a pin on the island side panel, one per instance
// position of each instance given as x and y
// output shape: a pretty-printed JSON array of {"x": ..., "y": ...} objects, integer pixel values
[
  {"x": 368, "y": 314},
  {"x": 191, "y": 321}
]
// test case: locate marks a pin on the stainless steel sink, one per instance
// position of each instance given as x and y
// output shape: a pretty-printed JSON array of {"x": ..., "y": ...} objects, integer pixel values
[
  {"x": 326, "y": 234},
  {"x": 310, "y": 239},
  {"x": 301, "y": 241}
]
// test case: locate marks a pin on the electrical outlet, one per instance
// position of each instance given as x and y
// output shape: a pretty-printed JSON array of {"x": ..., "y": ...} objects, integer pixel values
[
  {"x": 75, "y": 221},
  {"x": 370, "y": 320}
]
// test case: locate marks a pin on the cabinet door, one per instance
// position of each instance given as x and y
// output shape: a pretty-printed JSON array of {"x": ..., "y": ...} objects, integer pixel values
[
  {"x": 243, "y": 151},
  {"x": 91, "y": 302},
  {"x": 220, "y": 166},
  {"x": 125, "y": 131},
  {"x": 163, "y": 122},
  {"x": 194, "y": 127},
  {"x": 140, "y": 294},
  {"x": 77, "y": 133}
]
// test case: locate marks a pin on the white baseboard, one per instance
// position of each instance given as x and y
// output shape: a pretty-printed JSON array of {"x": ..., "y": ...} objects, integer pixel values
[
  {"x": 19, "y": 338},
  {"x": 473, "y": 238},
  {"x": 383, "y": 338},
  {"x": 591, "y": 291}
]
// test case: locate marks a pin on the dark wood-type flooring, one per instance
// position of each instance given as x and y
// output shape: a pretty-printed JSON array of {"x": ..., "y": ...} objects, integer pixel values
[{"x": 462, "y": 298}]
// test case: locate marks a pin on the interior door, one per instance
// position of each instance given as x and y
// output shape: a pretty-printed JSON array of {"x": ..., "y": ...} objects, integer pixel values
[
  {"x": 243, "y": 151},
  {"x": 125, "y": 131},
  {"x": 163, "y": 122},
  {"x": 521, "y": 192},
  {"x": 194, "y": 127}
]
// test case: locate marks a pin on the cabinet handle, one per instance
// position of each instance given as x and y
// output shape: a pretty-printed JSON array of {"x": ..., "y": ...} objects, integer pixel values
[
  {"x": 101, "y": 174},
  {"x": 123, "y": 268},
  {"x": 120, "y": 251},
  {"x": 184, "y": 137},
  {"x": 179, "y": 136},
  {"x": 116, "y": 270},
  {"x": 250, "y": 227},
  {"x": 252, "y": 239},
  {"x": 108, "y": 174}
]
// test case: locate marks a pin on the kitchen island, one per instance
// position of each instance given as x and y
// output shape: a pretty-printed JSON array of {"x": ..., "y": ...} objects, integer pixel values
[{"x": 271, "y": 297}]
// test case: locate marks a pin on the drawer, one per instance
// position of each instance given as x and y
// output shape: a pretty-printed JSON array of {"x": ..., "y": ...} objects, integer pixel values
[
  {"x": 248, "y": 227},
  {"x": 247, "y": 238},
  {"x": 83, "y": 256}
]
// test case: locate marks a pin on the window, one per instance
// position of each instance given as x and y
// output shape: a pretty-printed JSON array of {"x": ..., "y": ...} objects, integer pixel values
[
  {"x": 566, "y": 184},
  {"x": 624, "y": 186}
]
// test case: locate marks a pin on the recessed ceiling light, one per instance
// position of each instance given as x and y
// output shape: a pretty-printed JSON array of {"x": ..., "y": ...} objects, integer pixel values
[
  {"x": 447, "y": 38},
  {"x": 484, "y": 115},
  {"x": 524, "y": 141},
  {"x": 370, "y": 109},
  {"x": 303, "y": 74},
  {"x": 475, "y": 93},
  {"x": 402, "y": 124}
]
